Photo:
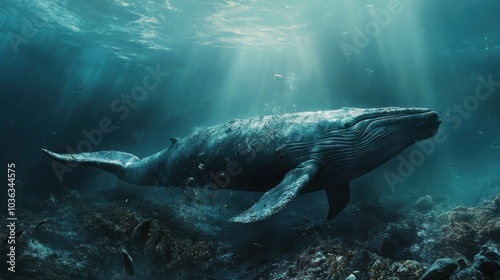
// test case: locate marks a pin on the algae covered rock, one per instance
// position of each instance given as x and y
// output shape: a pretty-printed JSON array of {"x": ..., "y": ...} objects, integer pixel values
[
  {"x": 488, "y": 261},
  {"x": 441, "y": 269},
  {"x": 424, "y": 203}
]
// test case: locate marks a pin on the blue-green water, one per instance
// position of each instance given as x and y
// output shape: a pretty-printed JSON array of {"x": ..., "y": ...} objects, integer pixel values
[{"x": 160, "y": 69}]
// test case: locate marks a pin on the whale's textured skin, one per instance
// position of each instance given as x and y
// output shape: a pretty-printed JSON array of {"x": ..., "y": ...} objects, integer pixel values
[{"x": 282, "y": 155}]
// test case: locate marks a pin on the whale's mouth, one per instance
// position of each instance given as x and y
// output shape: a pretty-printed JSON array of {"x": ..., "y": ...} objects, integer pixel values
[{"x": 435, "y": 130}]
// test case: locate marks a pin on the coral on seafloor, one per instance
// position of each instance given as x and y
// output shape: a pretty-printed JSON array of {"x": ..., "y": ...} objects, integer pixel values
[
  {"x": 461, "y": 243},
  {"x": 82, "y": 238},
  {"x": 465, "y": 229},
  {"x": 84, "y": 235},
  {"x": 339, "y": 261}
]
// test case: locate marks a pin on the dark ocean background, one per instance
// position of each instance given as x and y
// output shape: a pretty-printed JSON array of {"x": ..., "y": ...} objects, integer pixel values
[{"x": 66, "y": 65}]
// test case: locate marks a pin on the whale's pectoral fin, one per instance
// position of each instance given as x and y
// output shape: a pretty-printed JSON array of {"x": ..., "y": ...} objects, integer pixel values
[
  {"x": 112, "y": 161},
  {"x": 278, "y": 197},
  {"x": 338, "y": 198}
]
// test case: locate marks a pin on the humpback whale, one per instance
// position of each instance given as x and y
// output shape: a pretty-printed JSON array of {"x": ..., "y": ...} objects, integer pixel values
[{"x": 280, "y": 155}]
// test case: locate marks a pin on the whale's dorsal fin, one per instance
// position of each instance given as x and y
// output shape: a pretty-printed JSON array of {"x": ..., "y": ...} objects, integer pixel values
[
  {"x": 174, "y": 140},
  {"x": 112, "y": 161},
  {"x": 278, "y": 197}
]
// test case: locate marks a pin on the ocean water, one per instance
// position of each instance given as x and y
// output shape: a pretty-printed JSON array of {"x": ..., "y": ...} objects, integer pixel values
[{"x": 79, "y": 76}]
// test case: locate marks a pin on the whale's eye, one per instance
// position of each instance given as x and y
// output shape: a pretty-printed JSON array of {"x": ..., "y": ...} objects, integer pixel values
[{"x": 347, "y": 124}]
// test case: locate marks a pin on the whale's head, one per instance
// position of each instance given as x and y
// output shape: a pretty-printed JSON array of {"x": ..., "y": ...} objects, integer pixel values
[
  {"x": 359, "y": 140},
  {"x": 393, "y": 125}
]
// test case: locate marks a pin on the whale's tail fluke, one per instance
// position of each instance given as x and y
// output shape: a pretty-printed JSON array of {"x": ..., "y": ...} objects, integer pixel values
[{"x": 115, "y": 162}]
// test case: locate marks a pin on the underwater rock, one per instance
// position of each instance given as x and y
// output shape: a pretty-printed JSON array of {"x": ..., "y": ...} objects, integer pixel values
[
  {"x": 468, "y": 274},
  {"x": 488, "y": 261},
  {"x": 441, "y": 269},
  {"x": 486, "y": 265},
  {"x": 424, "y": 203}
]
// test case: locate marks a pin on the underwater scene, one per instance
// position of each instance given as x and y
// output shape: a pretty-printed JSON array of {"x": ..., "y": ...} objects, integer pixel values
[{"x": 225, "y": 139}]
